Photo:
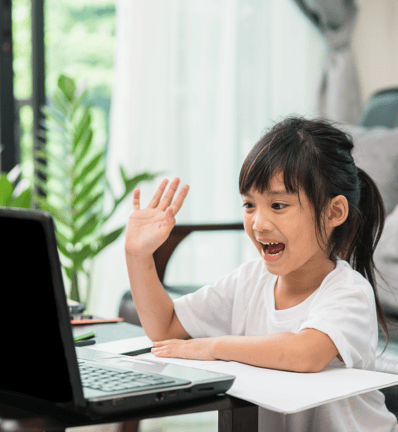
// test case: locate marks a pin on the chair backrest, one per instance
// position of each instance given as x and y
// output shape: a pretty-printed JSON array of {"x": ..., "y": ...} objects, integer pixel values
[{"x": 381, "y": 109}]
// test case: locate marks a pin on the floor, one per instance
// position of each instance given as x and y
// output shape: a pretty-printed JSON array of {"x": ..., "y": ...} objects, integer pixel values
[{"x": 203, "y": 422}]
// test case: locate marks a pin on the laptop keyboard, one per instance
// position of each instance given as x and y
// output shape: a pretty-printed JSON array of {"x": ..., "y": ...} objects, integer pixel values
[{"x": 108, "y": 380}]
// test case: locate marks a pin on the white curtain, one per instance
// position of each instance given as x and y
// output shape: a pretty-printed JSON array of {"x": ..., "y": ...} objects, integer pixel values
[{"x": 196, "y": 82}]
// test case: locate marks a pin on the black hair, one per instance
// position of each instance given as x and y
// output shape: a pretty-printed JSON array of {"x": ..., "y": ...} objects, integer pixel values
[{"x": 315, "y": 157}]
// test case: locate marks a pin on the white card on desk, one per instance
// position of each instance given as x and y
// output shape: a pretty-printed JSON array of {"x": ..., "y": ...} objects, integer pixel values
[
  {"x": 131, "y": 346},
  {"x": 290, "y": 392}
]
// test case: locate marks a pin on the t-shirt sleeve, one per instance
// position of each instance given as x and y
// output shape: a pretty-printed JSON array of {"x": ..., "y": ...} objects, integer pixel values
[
  {"x": 208, "y": 311},
  {"x": 347, "y": 314}
]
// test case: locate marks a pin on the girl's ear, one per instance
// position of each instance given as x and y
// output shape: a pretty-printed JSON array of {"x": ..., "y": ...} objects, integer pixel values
[{"x": 337, "y": 212}]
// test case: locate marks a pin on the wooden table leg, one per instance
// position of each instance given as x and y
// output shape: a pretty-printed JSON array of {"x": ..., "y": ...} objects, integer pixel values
[
  {"x": 244, "y": 419},
  {"x": 129, "y": 426}
]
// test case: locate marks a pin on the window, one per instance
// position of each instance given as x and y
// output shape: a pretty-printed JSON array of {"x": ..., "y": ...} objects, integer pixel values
[{"x": 79, "y": 42}]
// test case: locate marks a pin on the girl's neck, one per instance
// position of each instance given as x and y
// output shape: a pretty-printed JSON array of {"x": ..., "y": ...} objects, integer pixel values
[{"x": 304, "y": 280}]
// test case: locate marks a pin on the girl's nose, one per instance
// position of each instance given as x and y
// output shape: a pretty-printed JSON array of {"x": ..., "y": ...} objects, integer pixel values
[{"x": 262, "y": 223}]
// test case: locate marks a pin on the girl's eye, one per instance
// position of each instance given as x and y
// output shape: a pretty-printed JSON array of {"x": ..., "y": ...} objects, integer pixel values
[
  {"x": 247, "y": 205},
  {"x": 278, "y": 206}
]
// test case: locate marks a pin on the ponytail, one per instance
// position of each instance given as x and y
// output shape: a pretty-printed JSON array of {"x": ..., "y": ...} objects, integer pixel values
[
  {"x": 370, "y": 224},
  {"x": 366, "y": 233}
]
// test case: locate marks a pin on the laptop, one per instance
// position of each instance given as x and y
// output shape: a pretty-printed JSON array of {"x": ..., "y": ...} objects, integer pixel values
[{"x": 42, "y": 361}]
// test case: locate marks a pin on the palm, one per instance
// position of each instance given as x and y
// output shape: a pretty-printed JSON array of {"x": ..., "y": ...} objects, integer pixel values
[{"x": 148, "y": 228}]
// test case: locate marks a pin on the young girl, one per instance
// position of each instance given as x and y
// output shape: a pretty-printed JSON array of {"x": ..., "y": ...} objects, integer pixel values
[{"x": 309, "y": 302}]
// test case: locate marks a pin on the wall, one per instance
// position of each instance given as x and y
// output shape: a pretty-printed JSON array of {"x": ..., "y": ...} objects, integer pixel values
[{"x": 376, "y": 45}]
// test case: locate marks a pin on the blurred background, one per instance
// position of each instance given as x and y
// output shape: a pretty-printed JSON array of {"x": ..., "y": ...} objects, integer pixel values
[{"x": 186, "y": 88}]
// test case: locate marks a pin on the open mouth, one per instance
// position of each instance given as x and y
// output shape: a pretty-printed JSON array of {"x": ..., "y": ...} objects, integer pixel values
[{"x": 273, "y": 249}]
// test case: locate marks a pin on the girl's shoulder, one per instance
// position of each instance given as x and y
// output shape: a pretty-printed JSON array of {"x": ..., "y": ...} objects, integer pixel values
[
  {"x": 347, "y": 280},
  {"x": 345, "y": 272}
]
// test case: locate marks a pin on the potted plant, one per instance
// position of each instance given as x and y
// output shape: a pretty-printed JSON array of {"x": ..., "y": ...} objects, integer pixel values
[
  {"x": 76, "y": 184},
  {"x": 14, "y": 193}
]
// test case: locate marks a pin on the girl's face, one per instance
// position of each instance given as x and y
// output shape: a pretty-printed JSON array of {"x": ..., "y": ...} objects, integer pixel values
[{"x": 278, "y": 217}]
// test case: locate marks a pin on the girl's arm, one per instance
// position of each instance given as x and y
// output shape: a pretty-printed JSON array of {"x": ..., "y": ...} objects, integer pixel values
[
  {"x": 309, "y": 350},
  {"x": 146, "y": 230},
  {"x": 154, "y": 307}
]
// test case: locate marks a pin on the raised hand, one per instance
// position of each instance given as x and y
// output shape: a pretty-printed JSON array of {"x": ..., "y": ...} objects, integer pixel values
[{"x": 149, "y": 228}]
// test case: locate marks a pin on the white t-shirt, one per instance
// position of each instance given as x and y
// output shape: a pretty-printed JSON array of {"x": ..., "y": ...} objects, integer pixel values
[{"x": 343, "y": 307}]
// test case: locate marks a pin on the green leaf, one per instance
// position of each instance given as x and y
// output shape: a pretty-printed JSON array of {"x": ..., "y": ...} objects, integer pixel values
[
  {"x": 82, "y": 126},
  {"x": 59, "y": 179},
  {"x": 87, "y": 206},
  {"x": 84, "y": 146},
  {"x": 62, "y": 195},
  {"x": 52, "y": 115},
  {"x": 90, "y": 166},
  {"x": 85, "y": 192},
  {"x": 61, "y": 104},
  {"x": 23, "y": 200},
  {"x": 81, "y": 256},
  {"x": 67, "y": 86},
  {"x": 68, "y": 272},
  {"x": 62, "y": 242},
  {"x": 53, "y": 151},
  {"x": 123, "y": 174},
  {"x": 60, "y": 199},
  {"x": 131, "y": 183},
  {"x": 87, "y": 228},
  {"x": 6, "y": 189},
  {"x": 54, "y": 163},
  {"x": 78, "y": 103},
  {"x": 62, "y": 249},
  {"x": 57, "y": 214},
  {"x": 61, "y": 238},
  {"x": 109, "y": 238}
]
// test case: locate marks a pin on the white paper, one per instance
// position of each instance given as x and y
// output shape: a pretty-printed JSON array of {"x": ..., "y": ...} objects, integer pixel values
[
  {"x": 124, "y": 346},
  {"x": 290, "y": 392},
  {"x": 281, "y": 391}
]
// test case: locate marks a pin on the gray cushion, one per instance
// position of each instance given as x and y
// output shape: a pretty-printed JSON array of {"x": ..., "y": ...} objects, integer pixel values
[
  {"x": 386, "y": 260},
  {"x": 376, "y": 152}
]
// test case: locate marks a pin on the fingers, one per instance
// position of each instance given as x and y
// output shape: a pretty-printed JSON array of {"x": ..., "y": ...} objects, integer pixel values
[
  {"x": 136, "y": 199},
  {"x": 163, "y": 342},
  {"x": 158, "y": 194},
  {"x": 166, "y": 201},
  {"x": 169, "y": 219},
  {"x": 177, "y": 203},
  {"x": 165, "y": 348}
]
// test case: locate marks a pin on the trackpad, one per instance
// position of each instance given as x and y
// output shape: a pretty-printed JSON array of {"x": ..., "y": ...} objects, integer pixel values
[{"x": 175, "y": 371}]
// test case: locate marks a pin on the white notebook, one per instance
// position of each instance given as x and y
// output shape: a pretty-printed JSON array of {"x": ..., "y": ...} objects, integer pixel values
[{"x": 280, "y": 391}]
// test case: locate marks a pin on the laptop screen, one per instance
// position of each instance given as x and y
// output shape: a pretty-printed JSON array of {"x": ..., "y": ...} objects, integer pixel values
[{"x": 33, "y": 355}]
